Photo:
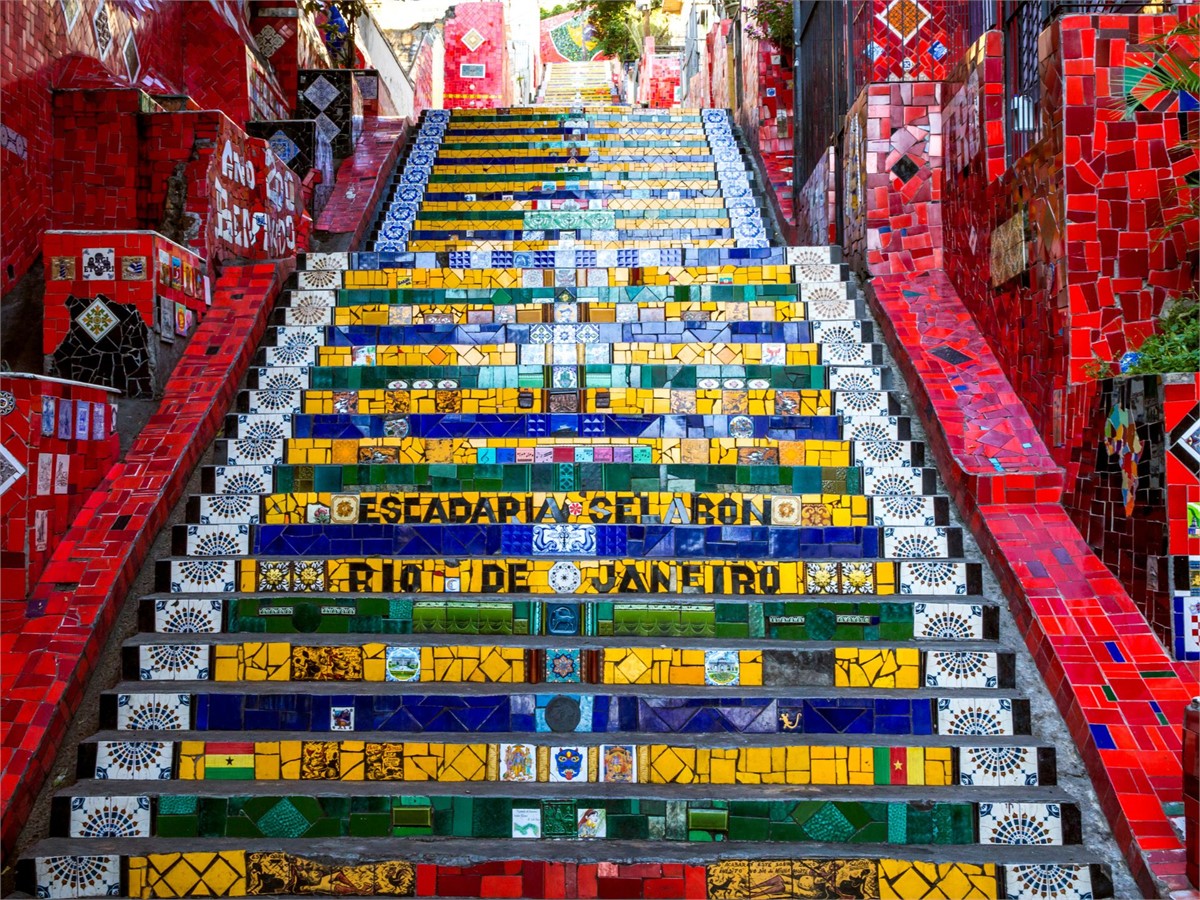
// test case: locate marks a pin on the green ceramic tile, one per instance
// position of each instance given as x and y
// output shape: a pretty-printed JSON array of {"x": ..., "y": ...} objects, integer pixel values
[
  {"x": 177, "y": 826},
  {"x": 370, "y": 825}
]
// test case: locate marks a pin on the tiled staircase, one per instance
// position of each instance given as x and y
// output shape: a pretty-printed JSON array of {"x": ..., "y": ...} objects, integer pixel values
[
  {"x": 568, "y": 529},
  {"x": 578, "y": 84}
]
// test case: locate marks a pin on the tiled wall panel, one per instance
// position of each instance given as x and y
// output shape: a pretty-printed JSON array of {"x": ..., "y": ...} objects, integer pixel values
[
  {"x": 57, "y": 441},
  {"x": 476, "y": 59}
]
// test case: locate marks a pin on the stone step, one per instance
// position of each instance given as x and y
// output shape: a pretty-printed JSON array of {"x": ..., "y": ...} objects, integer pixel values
[
  {"x": 447, "y": 395},
  {"x": 594, "y": 312},
  {"x": 631, "y": 710},
  {"x": 841, "y": 342},
  {"x": 266, "y": 450},
  {"x": 304, "y": 352},
  {"x": 896, "y": 619}
]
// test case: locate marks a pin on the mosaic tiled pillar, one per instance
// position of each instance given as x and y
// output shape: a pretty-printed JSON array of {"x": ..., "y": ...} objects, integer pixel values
[{"x": 332, "y": 98}]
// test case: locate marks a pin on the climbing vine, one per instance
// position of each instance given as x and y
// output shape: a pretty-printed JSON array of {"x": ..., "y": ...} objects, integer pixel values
[{"x": 771, "y": 20}]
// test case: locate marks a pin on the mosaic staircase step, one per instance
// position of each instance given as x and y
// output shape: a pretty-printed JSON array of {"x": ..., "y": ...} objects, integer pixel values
[
  {"x": 812, "y": 291},
  {"x": 155, "y": 815},
  {"x": 903, "y": 486},
  {"x": 532, "y": 393},
  {"x": 897, "y": 619},
  {"x": 424, "y": 660},
  {"x": 662, "y": 541},
  {"x": 573, "y": 508},
  {"x": 566, "y": 575},
  {"x": 956, "y": 768},
  {"x": 283, "y": 873},
  {"x": 840, "y": 342},
  {"x": 270, "y": 707},
  {"x": 877, "y": 438},
  {"x": 628, "y": 268},
  {"x": 382, "y": 314},
  {"x": 569, "y": 478},
  {"x": 846, "y": 380}
]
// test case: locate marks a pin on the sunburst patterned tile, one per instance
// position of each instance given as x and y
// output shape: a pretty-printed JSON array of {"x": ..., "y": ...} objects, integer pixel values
[
  {"x": 307, "y": 314},
  {"x": 855, "y": 378},
  {"x": 134, "y": 760},
  {"x": 276, "y": 399},
  {"x": 202, "y": 576},
  {"x": 110, "y": 817},
  {"x": 902, "y": 542},
  {"x": 187, "y": 615},
  {"x": 948, "y": 621},
  {"x": 1027, "y": 824},
  {"x": 78, "y": 876},
  {"x": 173, "y": 662},
  {"x": 983, "y": 716},
  {"x": 893, "y": 480},
  {"x": 961, "y": 669},
  {"x": 218, "y": 540},
  {"x": 998, "y": 766},
  {"x": 243, "y": 479},
  {"x": 154, "y": 712},
  {"x": 1048, "y": 881},
  {"x": 218, "y": 509},
  {"x": 903, "y": 509},
  {"x": 861, "y": 403},
  {"x": 933, "y": 577}
]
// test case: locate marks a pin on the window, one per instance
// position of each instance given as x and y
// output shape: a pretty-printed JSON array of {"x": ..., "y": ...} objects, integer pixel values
[
  {"x": 1023, "y": 22},
  {"x": 472, "y": 70}
]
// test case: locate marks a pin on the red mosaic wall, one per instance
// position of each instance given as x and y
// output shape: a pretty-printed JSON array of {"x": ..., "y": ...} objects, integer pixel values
[
  {"x": 163, "y": 51},
  {"x": 1056, "y": 289},
  {"x": 893, "y": 166},
  {"x": 658, "y": 85},
  {"x": 60, "y": 440},
  {"x": 472, "y": 22},
  {"x": 1137, "y": 473},
  {"x": 972, "y": 361},
  {"x": 906, "y": 40},
  {"x": 289, "y": 41},
  {"x": 255, "y": 206},
  {"x": 816, "y": 211}
]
